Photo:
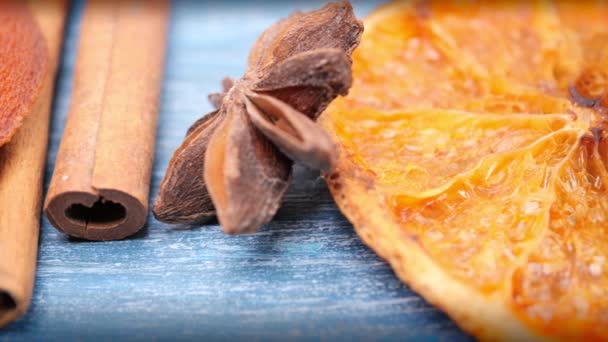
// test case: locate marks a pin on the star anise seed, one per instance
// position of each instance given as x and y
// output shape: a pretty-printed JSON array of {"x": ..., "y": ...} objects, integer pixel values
[{"x": 236, "y": 161}]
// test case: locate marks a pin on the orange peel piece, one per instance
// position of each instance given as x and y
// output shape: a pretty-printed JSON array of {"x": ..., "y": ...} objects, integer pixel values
[
  {"x": 473, "y": 153},
  {"x": 24, "y": 59}
]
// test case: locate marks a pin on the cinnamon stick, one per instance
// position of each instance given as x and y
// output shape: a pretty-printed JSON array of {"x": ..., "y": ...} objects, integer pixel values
[
  {"x": 21, "y": 173},
  {"x": 100, "y": 186}
]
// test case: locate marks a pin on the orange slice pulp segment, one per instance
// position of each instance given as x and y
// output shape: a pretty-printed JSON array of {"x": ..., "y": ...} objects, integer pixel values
[{"x": 473, "y": 151}]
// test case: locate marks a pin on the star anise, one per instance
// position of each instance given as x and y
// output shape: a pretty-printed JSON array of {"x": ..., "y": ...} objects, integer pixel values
[{"x": 236, "y": 161}]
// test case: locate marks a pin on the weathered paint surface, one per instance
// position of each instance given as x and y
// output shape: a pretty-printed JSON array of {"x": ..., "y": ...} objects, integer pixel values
[{"x": 306, "y": 276}]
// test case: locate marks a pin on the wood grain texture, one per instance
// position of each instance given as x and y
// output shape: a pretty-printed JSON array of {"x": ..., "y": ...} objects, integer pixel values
[{"x": 305, "y": 276}]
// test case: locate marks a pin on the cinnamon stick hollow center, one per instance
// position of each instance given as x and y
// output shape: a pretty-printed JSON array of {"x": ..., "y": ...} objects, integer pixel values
[
  {"x": 100, "y": 185},
  {"x": 105, "y": 215}
]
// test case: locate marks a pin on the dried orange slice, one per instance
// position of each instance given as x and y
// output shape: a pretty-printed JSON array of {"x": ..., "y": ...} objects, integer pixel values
[{"x": 473, "y": 159}]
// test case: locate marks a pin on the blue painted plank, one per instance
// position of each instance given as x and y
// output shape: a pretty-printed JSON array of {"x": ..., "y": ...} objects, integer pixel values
[{"x": 305, "y": 276}]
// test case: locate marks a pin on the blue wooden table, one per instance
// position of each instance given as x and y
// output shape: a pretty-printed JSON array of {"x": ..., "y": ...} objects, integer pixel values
[{"x": 305, "y": 276}]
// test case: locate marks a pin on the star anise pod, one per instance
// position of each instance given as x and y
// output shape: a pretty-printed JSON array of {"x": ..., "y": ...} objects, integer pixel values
[{"x": 236, "y": 161}]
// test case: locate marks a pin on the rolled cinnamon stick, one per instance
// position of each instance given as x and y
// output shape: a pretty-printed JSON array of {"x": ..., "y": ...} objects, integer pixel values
[
  {"x": 21, "y": 173},
  {"x": 99, "y": 189}
]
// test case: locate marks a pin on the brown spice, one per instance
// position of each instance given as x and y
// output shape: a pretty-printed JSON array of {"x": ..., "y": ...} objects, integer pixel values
[
  {"x": 22, "y": 160},
  {"x": 236, "y": 161},
  {"x": 101, "y": 181}
]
